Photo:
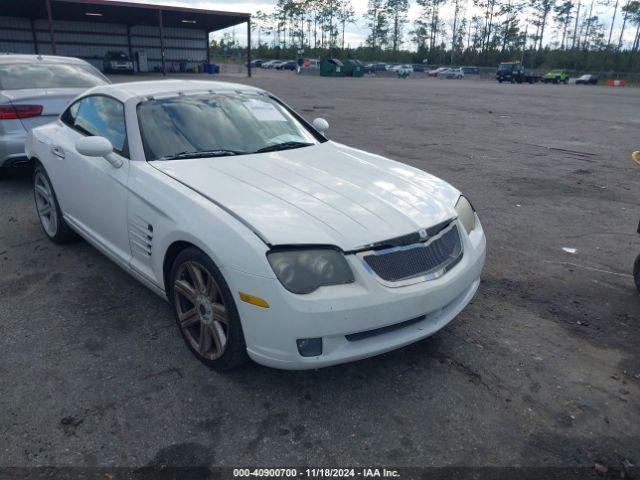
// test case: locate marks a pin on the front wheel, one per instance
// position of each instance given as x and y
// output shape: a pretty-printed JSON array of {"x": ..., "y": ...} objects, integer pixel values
[
  {"x": 205, "y": 311},
  {"x": 636, "y": 272},
  {"x": 49, "y": 213}
]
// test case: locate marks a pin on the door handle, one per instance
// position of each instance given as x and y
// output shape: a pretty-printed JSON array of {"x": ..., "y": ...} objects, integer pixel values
[{"x": 57, "y": 151}]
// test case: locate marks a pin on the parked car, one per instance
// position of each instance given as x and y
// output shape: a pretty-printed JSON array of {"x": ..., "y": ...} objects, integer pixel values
[
  {"x": 556, "y": 76},
  {"x": 471, "y": 70},
  {"x": 256, "y": 63},
  {"x": 267, "y": 239},
  {"x": 405, "y": 67},
  {"x": 515, "y": 72},
  {"x": 456, "y": 73},
  {"x": 287, "y": 65},
  {"x": 369, "y": 68},
  {"x": 418, "y": 67},
  {"x": 437, "y": 71},
  {"x": 380, "y": 67},
  {"x": 117, "y": 62},
  {"x": 271, "y": 64},
  {"x": 34, "y": 89},
  {"x": 587, "y": 80},
  {"x": 311, "y": 63}
]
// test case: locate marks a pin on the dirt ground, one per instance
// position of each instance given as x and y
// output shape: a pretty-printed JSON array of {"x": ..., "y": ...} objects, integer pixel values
[{"x": 541, "y": 369}]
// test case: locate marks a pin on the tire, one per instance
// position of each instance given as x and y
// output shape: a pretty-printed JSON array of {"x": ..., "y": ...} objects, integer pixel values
[
  {"x": 3, "y": 173},
  {"x": 51, "y": 220},
  {"x": 565, "y": 81},
  {"x": 636, "y": 272},
  {"x": 556, "y": 80},
  {"x": 203, "y": 304},
  {"x": 500, "y": 81}
]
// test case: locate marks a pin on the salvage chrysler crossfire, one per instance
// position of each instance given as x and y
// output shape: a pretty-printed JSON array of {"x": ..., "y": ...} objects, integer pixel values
[{"x": 269, "y": 240}]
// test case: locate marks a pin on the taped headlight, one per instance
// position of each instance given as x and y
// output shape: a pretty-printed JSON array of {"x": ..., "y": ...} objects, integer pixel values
[
  {"x": 306, "y": 270},
  {"x": 466, "y": 214}
]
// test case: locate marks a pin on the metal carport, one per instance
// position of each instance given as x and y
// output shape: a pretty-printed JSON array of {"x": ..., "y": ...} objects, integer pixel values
[{"x": 88, "y": 28}]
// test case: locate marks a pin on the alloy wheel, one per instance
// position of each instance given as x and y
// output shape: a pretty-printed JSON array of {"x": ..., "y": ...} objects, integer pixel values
[
  {"x": 45, "y": 204},
  {"x": 201, "y": 310}
]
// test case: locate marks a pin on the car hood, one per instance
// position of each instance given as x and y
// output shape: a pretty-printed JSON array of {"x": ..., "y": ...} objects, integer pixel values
[{"x": 328, "y": 194}]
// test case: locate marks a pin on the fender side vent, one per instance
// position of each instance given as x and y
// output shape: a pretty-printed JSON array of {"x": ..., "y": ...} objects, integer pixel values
[{"x": 141, "y": 237}]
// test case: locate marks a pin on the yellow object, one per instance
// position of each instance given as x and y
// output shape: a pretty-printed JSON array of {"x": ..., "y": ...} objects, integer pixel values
[
  {"x": 257, "y": 301},
  {"x": 636, "y": 156}
]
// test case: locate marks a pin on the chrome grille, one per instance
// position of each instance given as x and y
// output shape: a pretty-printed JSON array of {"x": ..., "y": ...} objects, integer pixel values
[{"x": 422, "y": 261}]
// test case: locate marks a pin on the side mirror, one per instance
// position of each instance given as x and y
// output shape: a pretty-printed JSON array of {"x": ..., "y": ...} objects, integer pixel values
[
  {"x": 321, "y": 125},
  {"x": 98, "y": 147}
]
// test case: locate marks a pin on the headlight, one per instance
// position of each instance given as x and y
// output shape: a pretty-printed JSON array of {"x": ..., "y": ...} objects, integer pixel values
[
  {"x": 306, "y": 270},
  {"x": 466, "y": 214}
]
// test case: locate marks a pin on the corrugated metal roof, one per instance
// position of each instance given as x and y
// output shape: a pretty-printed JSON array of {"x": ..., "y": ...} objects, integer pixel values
[{"x": 112, "y": 11}]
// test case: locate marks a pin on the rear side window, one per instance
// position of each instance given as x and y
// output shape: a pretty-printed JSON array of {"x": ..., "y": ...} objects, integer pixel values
[
  {"x": 100, "y": 116},
  {"x": 53, "y": 75}
]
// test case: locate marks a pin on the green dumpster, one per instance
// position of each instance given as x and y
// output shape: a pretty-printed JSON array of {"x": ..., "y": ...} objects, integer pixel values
[
  {"x": 331, "y": 67},
  {"x": 353, "y": 68}
]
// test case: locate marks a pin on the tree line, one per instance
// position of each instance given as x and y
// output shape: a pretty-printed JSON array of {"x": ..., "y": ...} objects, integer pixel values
[{"x": 552, "y": 33}]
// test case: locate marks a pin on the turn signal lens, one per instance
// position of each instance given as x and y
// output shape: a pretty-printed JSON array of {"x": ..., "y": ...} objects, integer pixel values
[
  {"x": 253, "y": 300},
  {"x": 16, "y": 112}
]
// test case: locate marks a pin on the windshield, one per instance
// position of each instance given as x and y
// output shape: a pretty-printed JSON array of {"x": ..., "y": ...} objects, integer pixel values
[
  {"x": 506, "y": 66},
  {"x": 220, "y": 124},
  {"x": 42, "y": 75}
]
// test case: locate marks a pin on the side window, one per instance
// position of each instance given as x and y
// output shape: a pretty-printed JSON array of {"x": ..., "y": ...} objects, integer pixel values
[
  {"x": 69, "y": 117},
  {"x": 101, "y": 116}
]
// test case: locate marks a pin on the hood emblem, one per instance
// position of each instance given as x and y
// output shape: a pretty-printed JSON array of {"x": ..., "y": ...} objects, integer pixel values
[{"x": 423, "y": 234}]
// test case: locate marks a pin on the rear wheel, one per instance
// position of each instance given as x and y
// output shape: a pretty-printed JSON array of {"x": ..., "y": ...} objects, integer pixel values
[
  {"x": 51, "y": 220},
  {"x": 205, "y": 311},
  {"x": 636, "y": 272}
]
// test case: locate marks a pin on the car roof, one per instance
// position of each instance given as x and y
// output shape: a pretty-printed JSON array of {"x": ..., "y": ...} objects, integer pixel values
[
  {"x": 152, "y": 88},
  {"x": 20, "y": 58}
]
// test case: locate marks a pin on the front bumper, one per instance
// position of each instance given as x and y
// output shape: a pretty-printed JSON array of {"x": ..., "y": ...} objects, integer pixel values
[{"x": 335, "y": 312}]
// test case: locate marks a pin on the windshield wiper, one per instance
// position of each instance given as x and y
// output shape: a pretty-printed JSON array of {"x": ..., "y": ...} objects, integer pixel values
[
  {"x": 202, "y": 154},
  {"x": 283, "y": 146}
]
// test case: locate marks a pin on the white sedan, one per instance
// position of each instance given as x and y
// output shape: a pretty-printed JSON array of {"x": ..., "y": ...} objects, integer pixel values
[{"x": 267, "y": 239}]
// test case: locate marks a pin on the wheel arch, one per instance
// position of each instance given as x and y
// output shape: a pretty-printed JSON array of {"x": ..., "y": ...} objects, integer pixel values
[{"x": 170, "y": 255}]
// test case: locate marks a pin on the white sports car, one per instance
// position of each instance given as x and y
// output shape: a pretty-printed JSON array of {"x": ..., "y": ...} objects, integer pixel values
[{"x": 268, "y": 239}]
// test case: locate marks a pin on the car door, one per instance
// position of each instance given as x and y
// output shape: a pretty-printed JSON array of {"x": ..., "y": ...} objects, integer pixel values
[{"x": 95, "y": 200}]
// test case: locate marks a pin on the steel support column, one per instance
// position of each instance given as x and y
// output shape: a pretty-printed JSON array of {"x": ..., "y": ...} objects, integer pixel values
[
  {"x": 249, "y": 47},
  {"x": 164, "y": 66},
  {"x": 35, "y": 37},
  {"x": 52, "y": 36},
  {"x": 208, "y": 49},
  {"x": 129, "y": 45}
]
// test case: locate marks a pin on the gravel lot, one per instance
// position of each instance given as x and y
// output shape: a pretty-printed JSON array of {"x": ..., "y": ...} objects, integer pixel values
[{"x": 541, "y": 369}]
